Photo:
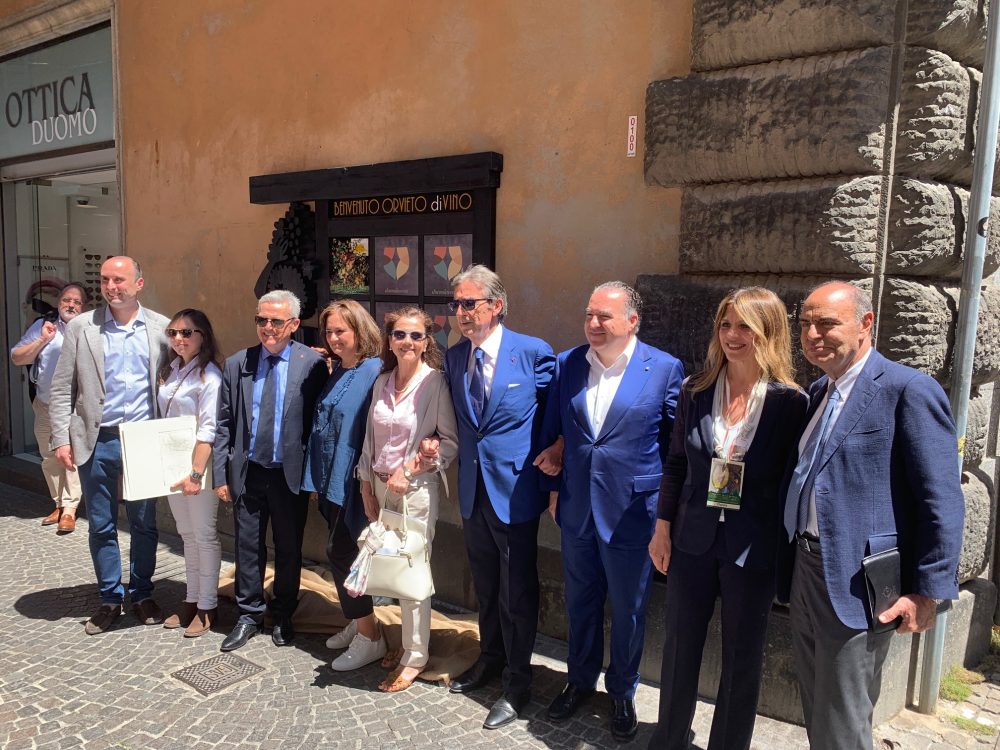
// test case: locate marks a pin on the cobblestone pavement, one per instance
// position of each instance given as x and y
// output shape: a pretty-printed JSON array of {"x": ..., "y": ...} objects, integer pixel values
[{"x": 60, "y": 688}]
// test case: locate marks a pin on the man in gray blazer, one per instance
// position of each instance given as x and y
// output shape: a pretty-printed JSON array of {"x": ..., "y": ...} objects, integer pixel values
[
  {"x": 266, "y": 407},
  {"x": 106, "y": 375}
]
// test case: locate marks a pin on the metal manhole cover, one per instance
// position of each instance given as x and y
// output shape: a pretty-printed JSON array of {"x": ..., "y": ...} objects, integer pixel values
[{"x": 215, "y": 674}]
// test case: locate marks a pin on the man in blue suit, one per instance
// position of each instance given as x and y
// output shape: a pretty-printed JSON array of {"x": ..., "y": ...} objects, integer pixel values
[
  {"x": 499, "y": 382},
  {"x": 878, "y": 470},
  {"x": 266, "y": 407},
  {"x": 613, "y": 404}
]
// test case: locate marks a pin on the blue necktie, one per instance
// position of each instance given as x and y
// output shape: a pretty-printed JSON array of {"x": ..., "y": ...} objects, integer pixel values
[
  {"x": 477, "y": 386},
  {"x": 801, "y": 486},
  {"x": 263, "y": 445}
]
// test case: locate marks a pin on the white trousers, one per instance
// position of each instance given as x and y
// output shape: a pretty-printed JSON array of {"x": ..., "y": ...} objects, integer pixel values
[
  {"x": 64, "y": 486},
  {"x": 195, "y": 516},
  {"x": 422, "y": 501}
]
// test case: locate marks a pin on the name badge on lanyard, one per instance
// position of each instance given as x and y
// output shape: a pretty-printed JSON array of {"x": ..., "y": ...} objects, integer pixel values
[{"x": 725, "y": 484}]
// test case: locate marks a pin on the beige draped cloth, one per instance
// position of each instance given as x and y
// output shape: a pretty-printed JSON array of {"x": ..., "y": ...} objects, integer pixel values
[{"x": 454, "y": 641}]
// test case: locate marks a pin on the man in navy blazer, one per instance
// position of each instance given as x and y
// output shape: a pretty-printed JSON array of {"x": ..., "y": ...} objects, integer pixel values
[
  {"x": 613, "y": 404},
  {"x": 499, "y": 383},
  {"x": 878, "y": 469},
  {"x": 265, "y": 413}
]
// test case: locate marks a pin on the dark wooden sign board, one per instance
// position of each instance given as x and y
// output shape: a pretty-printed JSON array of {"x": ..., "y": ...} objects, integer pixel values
[{"x": 451, "y": 200}]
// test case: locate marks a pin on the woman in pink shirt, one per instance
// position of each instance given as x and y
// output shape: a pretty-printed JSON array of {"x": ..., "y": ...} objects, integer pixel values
[{"x": 410, "y": 415}]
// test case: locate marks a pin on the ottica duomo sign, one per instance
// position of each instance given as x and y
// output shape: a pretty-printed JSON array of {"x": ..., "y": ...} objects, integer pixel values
[{"x": 57, "y": 97}]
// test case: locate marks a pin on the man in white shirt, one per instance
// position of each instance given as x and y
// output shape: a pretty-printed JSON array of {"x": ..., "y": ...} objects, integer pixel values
[
  {"x": 877, "y": 473},
  {"x": 499, "y": 382},
  {"x": 39, "y": 347},
  {"x": 610, "y": 414}
]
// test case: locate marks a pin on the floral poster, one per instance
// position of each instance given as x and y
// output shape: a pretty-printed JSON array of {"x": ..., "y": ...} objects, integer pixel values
[{"x": 348, "y": 265}]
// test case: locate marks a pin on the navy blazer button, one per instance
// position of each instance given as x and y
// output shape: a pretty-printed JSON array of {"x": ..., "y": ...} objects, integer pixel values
[{"x": 479, "y": 436}]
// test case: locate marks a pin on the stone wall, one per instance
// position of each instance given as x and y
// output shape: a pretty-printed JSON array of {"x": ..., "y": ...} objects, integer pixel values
[{"x": 818, "y": 140}]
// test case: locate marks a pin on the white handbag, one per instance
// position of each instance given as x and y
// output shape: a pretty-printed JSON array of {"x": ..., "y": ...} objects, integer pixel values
[{"x": 401, "y": 565}]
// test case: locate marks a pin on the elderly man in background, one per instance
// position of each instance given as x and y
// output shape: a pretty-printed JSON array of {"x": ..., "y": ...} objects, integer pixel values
[
  {"x": 613, "y": 406},
  {"x": 39, "y": 349},
  {"x": 266, "y": 406},
  {"x": 499, "y": 383},
  {"x": 106, "y": 376},
  {"x": 877, "y": 475}
]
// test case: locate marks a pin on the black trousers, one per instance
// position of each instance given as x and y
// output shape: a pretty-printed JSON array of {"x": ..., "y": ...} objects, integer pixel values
[
  {"x": 341, "y": 551},
  {"x": 265, "y": 498},
  {"x": 504, "y": 562},
  {"x": 693, "y": 584}
]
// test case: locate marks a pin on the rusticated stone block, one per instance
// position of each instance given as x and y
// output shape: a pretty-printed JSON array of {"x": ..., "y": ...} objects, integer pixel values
[
  {"x": 827, "y": 226},
  {"x": 917, "y": 328},
  {"x": 977, "y": 431},
  {"x": 795, "y": 118},
  {"x": 678, "y": 311},
  {"x": 927, "y": 224},
  {"x": 727, "y": 34},
  {"x": 979, "y": 524},
  {"x": 956, "y": 27},
  {"x": 933, "y": 112}
]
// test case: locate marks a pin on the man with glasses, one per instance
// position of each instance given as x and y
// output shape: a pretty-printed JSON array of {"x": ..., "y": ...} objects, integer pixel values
[
  {"x": 265, "y": 414},
  {"x": 106, "y": 376},
  {"x": 610, "y": 416},
  {"x": 499, "y": 382},
  {"x": 39, "y": 349}
]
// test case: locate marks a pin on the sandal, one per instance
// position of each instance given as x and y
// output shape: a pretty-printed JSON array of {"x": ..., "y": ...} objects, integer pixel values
[
  {"x": 395, "y": 682},
  {"x": 391, "y": 658}
]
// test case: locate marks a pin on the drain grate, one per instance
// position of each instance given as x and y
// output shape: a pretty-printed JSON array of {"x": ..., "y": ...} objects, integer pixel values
[{"x": 215, "y": 674}]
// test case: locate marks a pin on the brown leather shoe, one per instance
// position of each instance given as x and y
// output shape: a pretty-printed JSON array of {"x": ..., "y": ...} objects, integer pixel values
[
  {"x": 182, "y": 617},
  {"x": 201, "y": 623},
  {"x": 66, "y": 524},
  {"x": 103, "y": 618},
  {"x": 52, "y": 517},
  {"x": 148, "y": 612}
]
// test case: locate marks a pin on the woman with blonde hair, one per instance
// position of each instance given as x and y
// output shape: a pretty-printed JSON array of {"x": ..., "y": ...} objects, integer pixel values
[
  {"x": 719, "y": 519},
  {"x": 353, "y": 343},
  {"x": 411, "y": 418}
]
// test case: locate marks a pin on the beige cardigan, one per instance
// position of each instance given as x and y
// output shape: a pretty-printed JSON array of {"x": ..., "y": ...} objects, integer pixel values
[{"x": 435, "y": 416}]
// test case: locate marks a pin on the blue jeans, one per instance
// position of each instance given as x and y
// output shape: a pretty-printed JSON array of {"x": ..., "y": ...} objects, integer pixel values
[{"x": 99, "y": 478}]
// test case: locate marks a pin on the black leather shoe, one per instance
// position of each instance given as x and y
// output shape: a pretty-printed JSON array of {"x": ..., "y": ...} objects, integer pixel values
[
  {"x": 567, "y": 702},
  {"x": 242, "y": 633},
  {"x": 624, "y": 723},
  {"x": 283, "y": 633},
  {"x": 505, "y": 710},
  {"x": 476, "y": 676}
]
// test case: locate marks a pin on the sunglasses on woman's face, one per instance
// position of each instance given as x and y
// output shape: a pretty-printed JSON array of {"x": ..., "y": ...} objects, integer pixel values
[
  {"x": 184, "y": 333},
  {"x": 414, "y": 335}
]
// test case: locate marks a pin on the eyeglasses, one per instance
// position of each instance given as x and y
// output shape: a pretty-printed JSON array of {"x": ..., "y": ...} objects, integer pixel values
[
  {"x": 275, "y": 322},
  {"x": 184, "y": 333},
  {"x": 466, "y": 304},
  {"x": 414, "y": 335}
]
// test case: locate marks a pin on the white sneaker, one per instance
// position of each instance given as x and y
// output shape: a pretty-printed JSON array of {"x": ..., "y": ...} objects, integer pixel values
[
  {"x": 344, "y": 637},
  {"x": 362, "y": 651}
]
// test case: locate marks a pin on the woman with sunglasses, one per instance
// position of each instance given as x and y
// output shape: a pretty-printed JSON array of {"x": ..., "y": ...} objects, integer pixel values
[
  {"x": 410, "y": 417},
  {"x": 353, "y": 342},
  {"x": 189, "y": 384}
]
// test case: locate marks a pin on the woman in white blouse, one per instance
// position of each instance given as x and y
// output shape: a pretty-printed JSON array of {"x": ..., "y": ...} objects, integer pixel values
[
  {"x": 189, "y": 385},
  {"x": 410, "y": 415},
  {"x": 719, "y": 525}
]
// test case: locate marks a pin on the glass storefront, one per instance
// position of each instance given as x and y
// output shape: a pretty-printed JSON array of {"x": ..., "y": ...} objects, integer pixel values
[{"x": 60, "y": 229}]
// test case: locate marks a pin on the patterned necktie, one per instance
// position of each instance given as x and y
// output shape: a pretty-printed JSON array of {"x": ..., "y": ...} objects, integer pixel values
[
  {"x": 800, "y": 488},
  {"x": 263, "y": 445},
  {"x": 477, "y": 386}
]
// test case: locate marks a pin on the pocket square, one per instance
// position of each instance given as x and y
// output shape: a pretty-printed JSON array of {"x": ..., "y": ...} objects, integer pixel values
[{"x": 513, "y": 385}]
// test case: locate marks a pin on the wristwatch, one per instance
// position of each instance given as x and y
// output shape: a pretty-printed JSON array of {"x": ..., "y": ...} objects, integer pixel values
[
  {"x": 408, "y": 474},
  {"x": 197, "y": 475}
]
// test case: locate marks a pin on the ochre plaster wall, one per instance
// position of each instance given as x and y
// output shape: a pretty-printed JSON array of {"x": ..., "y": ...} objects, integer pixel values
[{"x": 213, "y": 92}]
